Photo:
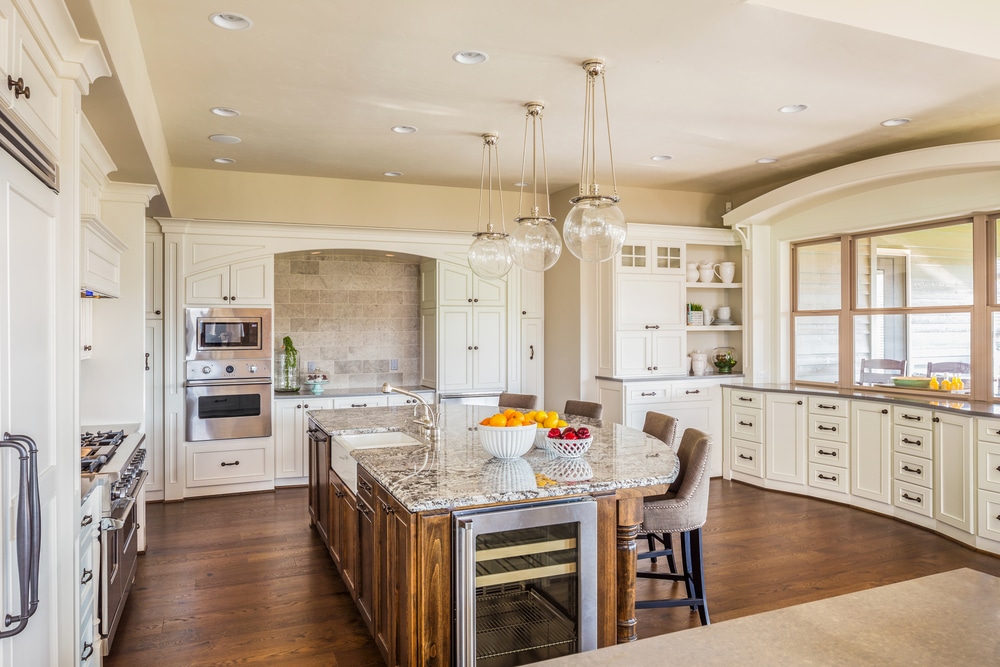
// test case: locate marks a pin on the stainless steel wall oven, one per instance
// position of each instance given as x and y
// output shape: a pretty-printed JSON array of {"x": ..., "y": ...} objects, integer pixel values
[
  {"x": 228, "y": 390},
  {"x": 525, "y": 582}
]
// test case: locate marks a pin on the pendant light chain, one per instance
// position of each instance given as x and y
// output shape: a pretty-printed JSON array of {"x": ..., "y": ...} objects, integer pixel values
[{"x": 607, "y": 120}]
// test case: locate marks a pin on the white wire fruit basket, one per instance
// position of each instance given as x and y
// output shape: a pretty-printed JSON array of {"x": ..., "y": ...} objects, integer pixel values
[{"x": 569, "y": 449}]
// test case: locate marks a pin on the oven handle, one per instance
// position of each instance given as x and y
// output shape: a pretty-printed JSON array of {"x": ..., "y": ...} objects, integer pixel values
[
  {"x": 226, "y": 383},
  {"x": 120, "y": 510}
]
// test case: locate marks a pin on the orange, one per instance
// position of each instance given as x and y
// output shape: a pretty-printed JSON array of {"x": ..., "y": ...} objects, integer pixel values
[
  {"x": 514, "y": 421},
  {"x": 485, "y": 422},
  {"x": 498, "y": 420},
  {"x": 508, "y": 412}
]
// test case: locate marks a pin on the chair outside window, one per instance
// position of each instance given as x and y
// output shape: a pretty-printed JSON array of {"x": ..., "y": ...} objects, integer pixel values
[
  {"x": 881, "y": 371},
  {"x": 947, "y": 368}
]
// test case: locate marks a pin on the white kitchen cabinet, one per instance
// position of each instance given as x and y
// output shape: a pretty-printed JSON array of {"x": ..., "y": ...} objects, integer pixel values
[
  {"x": 472, "y": 348},
  {"x": 954, "y": 471},
  {"x": 400, "y": 399},
  {"x": 649, "y": 303},
  {"x": 785, "y": 438},
  {"x": 248, "y": 283},
  {"x": 532, "y": 291},
  {"x": 650, "y": 353},
  {"x": 229, "y": 466},
  {"x": 153, "y": 423},
  {"x": 744, "y": 434},
  {"x": 89, "y": 576},
  {"x": 100, "y": 259},
  {"x": 871, "y": 455},
  {"x": 154, "y": 275},
  {"x": 86, "y": 328},
  {"x": 651, "y": 256},
  {"x": 290, "y": 441},
  {"x": 533, "y": 357},
  {"x": 459, "y": 286},
  {"x": 366, "y": 401},
  {"x": 23, "y": 60}
]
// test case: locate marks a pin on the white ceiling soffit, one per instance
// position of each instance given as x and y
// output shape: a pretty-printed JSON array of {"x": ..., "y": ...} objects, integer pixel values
[{"x": 963, "y": 25}]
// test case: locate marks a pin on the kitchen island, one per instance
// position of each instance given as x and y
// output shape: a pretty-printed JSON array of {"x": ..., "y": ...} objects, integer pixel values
[{"x": 392, "y": 538}]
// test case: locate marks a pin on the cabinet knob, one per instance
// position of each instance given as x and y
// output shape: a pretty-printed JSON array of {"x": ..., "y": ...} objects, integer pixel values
[
  {"x": 936, "y": 420},
  {"x": 798, "y": 402},
  {"x": 649, "y": 368},
  {"x": 470, "y": 347},
  {"x": 656, "y": 368},
  {"x": 18, "y": 87},
  {"x": 232, "y": 298},
  {"x": 884, "y": 411},
  {"x": 524, "y": 312},
  {"x": 157, "y": 312},
  {"x": 475, "y": 347},
  {"x": 470, "y": 300},
  {"x": 475, "y": 301},
  {"x": 88, "y": 348},
  {"x": 299, "y": 405},
  {"x": 306, "y": 406}
]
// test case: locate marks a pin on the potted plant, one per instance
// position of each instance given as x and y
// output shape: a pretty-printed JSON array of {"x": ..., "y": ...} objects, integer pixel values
[{"x": 696, "y": 316}]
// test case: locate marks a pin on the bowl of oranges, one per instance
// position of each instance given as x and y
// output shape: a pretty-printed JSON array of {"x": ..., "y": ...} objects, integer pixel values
[{"x": 507, "y": 435}]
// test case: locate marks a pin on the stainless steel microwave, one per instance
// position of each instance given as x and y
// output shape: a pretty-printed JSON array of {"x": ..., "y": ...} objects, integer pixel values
[{"x": 228, "y": 333}]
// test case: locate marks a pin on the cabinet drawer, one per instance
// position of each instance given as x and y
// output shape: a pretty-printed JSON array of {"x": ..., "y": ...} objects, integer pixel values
[
  {"x": 989, "y": 515},
  {"x": 360, "y": 402},
  {"x": 828, "y": 454},
  {"x": 820, "y": 405},
  {"x": 647, "y": 393},
  {"x": 399, "y": 399},
  {"x": 747, "y": 458},
  {"x": 912, "y": 417},
  {"x": 829, "y": 428},
  {"x": 989, "y": 466},
  {"x": 747, "y": 399},
  {"x": 914, "y": 498},
  {"x": 230, "y": 465},
  {"x": 913, "y": 469},
  {"x": 693, "y": 391},
  {"x": 746, "y": 424},
  {"x": 912, "y": 441},
  {"x": 988, "y": 430},
  {"x": 827, "y": 477},
  {"x": 366, "y": 487}
]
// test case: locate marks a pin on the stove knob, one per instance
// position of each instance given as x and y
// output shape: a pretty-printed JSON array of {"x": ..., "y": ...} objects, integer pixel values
[
  {"x": 252, "y": 368},
  {"x": 206, "y": 369},
  {"x": 230, "y": 369}
]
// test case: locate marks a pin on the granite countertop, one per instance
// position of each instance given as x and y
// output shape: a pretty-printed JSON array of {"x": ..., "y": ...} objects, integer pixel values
[
  {"x": 343, "y": 393},
  {"x": 957, "y": 403},
  {"x": 942, "y": 619},
  {"x": 457, "y": 472}
]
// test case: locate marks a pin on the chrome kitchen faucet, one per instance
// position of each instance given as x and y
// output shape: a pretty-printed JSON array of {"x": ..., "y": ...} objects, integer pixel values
[{"x": 428, "y": 422}]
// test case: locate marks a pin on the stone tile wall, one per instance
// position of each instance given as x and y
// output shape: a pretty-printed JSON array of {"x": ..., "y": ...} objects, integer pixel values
[{"x": 352, "y": 314}]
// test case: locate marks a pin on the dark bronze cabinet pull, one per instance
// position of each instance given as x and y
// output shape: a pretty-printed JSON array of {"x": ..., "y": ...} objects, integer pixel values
[
  {"x": 743, "y": 423},
  {"x": 824, "y": 406},
  {"x": 917, "y": 499},
  {"x": 234, "y": 463},
  {"x": 829, "y": 479},
  {"x": 907, "y": 441},
  {"x": 798, "y": 402},
  {"x": 909, "y": 469},
  {"x": 696, "y": 391},
  {"x": 648, "y": 393},
  {"x": 147, "y": 361},
  {"x": 652, "y": 326},
  {"x": 826, "y": 428},
  {"x": 365, "y": 485},
  {"x": 531, "y": 352},
  {"x": 913, "y": 418},
  {"x": 17, "y": 85},
  {"x": 359, "y": 405},
  {"x": 744, "y": 398},
  {"x": 744, "y": 457},
  {"x": 822, "y": 453},
  {"x": 936, "y": 419}
]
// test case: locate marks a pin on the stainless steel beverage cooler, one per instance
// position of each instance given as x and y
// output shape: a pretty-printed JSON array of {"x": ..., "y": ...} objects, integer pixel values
[{"x": 525, "y": 582}]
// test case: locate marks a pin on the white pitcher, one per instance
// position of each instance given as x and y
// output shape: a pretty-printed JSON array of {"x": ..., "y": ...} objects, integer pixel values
[
  {"x": 726, "y": 271},
  {"x": 699, "y": 363},
  {"x": 692, "y": 272},
  {"x": 706, "y": 273}
]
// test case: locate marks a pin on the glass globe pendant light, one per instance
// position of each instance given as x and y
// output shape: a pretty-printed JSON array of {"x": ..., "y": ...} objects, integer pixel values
[
  {"x": 594, "y": 229},
  {"x": 535, "y": 242},
  {"x": 490, "y": 254}
]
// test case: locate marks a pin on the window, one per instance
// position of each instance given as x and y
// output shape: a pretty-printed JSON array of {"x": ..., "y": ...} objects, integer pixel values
[{"x": 910, "y": 311}]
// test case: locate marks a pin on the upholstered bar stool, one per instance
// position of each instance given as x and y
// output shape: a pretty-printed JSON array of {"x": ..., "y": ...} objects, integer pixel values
[
  {"x": 663, "y": 427},
  {"x": 683, "y": 510},
  {"x": 519, "y": 401},
  {"x": 583, "y": 409}
]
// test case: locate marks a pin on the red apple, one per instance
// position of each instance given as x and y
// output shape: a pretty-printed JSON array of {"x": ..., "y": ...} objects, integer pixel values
[
  {"x": 569, "y": 436},
  {"x": 583, "y": 432},
  {"x": 555, "y": 433}
]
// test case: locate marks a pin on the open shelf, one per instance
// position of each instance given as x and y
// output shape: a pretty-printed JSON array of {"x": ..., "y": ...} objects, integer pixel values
[{"x": 701, "y": 285}]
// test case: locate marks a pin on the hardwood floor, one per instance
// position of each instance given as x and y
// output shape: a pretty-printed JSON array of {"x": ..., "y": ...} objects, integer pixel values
[{"x": 244, "y": 580}]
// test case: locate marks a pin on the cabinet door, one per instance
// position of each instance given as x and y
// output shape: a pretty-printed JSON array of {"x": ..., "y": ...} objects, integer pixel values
[
  {"x": 208, "y": 288},
  {"x": 250, "y": 282},
  {"x": 489, "y": 349},
  {"x": 669, "y": 352},
  {"x": 86, "y": 328},
  {"x": 154, "y": 275},
  {"x": 454, "y": 284},
  {"x": 41, "y": 111},
  {"x": 287, "y": 426},
  {"x": 365, "y": 564},
  {"x": 871, "y": 451},
  {"x": 488, "y": 292},
  {"x": 154, "y": 409},
  {"x": 633, "y": 353},
  {"x": 785, "y": 438},
  {"x": 954, "y": 473},
  {"x": 455, "y": 348},
  {"x": 532, "y": 293},
  {"x": 646, "y": 303},
  {"x": 533, "y": 358}
]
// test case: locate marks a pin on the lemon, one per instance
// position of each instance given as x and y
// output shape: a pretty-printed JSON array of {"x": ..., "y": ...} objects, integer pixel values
[
  {"x": 541, "y": 416},
  {"x": 498, "y": 420},
  {"x": 550, "y": 422},
  {"x": 530, "y": 416},
  {"x": 560, "y": 423}
]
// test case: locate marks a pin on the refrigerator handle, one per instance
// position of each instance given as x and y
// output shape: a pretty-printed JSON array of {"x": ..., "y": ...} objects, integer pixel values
[
  {"x": 465, "y": 573},
  {"x": 29, "y": 532}
]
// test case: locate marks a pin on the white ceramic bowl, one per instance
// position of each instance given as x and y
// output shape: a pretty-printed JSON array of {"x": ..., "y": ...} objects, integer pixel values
[
  {"x": 507, "y": 442},
  {"x": 569, "y": 449},
  {"x": 507, "y": 475},
  {"x": 541, "y": 435},
  {"x": 568, "y": 470}
]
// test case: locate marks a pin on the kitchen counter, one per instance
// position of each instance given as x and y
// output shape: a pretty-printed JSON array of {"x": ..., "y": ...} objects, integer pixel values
[
  {"x": 346, "y": 393},
  {"x": 457, "y": 472},
  {"x": 957, "y": 403},
  {"x": 948, "y": 618}
]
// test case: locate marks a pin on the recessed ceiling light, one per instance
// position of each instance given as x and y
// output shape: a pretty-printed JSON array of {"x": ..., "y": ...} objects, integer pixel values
[
  {"x": 225, "y": 112},
  {"x": 404, "y": 129},
  {"x": 793, "y": 108},
  {"x": 389, "y": 254},
  {"x": 470, "y": 57},
  {"x": 224, "y": 160},
  {"x": 230, "y": 21},
  {"x": 316, "y": 252},
  {"x": 766, "y": 160},
  {"x": 893, "y": 122},
  {"x": 225, "y": 139},
  {"x": 392, "y": 173},
  {"x": 521, "y": 184},
  {"x": 661, "y": 158}
]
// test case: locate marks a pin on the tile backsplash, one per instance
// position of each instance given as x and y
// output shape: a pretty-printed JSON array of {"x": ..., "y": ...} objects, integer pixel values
[{"x": 350, "y": 313}]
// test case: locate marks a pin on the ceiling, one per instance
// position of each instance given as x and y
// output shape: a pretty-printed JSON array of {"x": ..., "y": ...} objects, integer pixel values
[{"x": 319, "y": 84}]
